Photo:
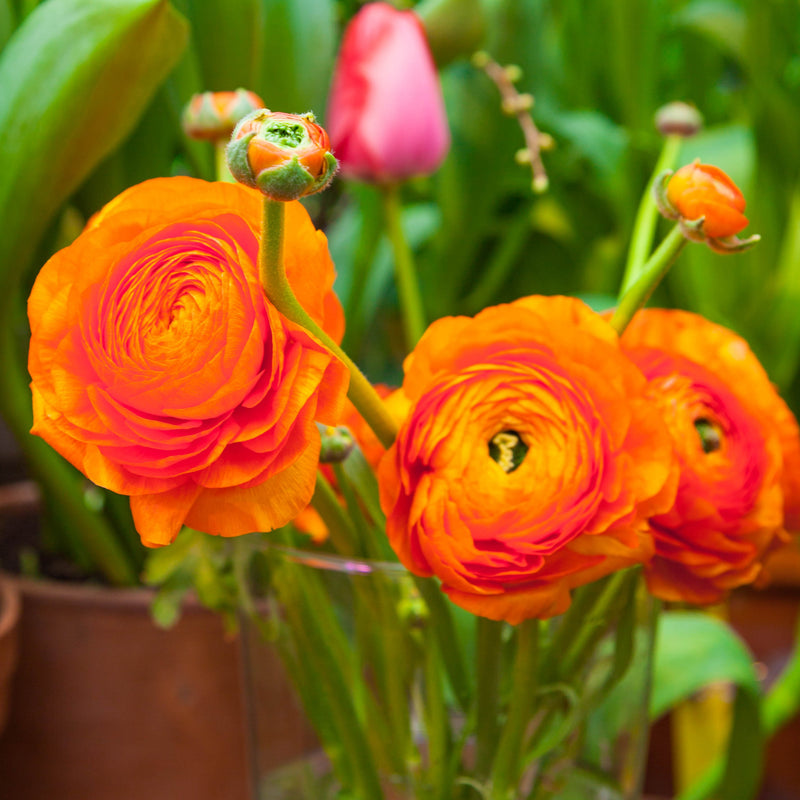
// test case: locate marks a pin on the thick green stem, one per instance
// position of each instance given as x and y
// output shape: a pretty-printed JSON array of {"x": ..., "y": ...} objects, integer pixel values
[
  {"x": 489, "y": 649},
  {"x": 648, "y": 215},
  {"x": 650, "y": 276},
  {"x": 505, "y": 773},
  {"x": 221, "y": 162},
  {"x": 280, "y": 294},
  {"x": 340, "y": 527},
  {"x": 405, "y": 272}
]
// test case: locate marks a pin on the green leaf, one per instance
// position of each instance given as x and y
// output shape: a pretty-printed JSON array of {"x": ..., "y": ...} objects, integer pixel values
[
  {"x": 297, "y": 54},
  {"x": 76, "y": 76},
  {"x": 7, "y": 22},
  {"x": 227, "y": 37},
  {"x": 721, "y": 22}
]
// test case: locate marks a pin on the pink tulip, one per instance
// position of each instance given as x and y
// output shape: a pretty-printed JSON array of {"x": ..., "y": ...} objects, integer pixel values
[{"x": 386, "y": 116}]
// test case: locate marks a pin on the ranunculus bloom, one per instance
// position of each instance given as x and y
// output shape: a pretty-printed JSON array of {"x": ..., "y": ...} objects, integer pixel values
[
  {"x": 739, "y": 450},
  {"x": 161, "y": 371},
  {"x": 701, "y": 190},
  {"x": 386, "y": 116},
  {"x": 529, "y": 461}
]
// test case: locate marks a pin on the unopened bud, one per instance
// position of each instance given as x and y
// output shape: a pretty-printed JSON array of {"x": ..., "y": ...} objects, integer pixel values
[
  {"x": 546, "y": 142},
  {"x": 480, "y": 59},
  {"x": 540, "y": 184},
  {"x": 285, "y": 156},
  {"x": 337, "y": 444},
  {"x": 513, "y": 73},
  {"x": 523, "y": 156},
  {"x": 678, "y": 119},
  {"x": 213, "y": 115}
]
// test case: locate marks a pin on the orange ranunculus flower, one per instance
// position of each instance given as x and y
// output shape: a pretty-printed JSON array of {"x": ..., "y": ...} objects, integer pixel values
[
  {"x": 701, "y": 190},
  {"x": 161, "y": 371},
  {"x": 739, "y": 450},
  {"x": 529, "y": 461}
]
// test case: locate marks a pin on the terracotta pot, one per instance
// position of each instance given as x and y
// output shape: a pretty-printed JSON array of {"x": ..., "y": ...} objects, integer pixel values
[
  {"x": 106, "y": 705},
  {"x": 9, "y": 626}
]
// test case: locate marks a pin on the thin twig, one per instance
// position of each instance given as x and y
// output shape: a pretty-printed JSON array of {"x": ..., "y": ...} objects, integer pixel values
[{"x": 519, "y": 105}]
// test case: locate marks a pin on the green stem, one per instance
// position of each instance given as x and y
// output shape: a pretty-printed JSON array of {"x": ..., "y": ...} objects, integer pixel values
[
  {"x": 405, "y": 272},
  {"x": 489, "y": 654},
  {"x": 523, "y": 693},
  {"x": 340, "y": 528},
  {"x": 501, "y": 262},
  {"x": 221, "y": 162},
  {"x": 650, "y": 276},
  {"x": 280, "y": 294},
  {"x": 444, "y": 630},
  {"x": 648, "y": 215}
]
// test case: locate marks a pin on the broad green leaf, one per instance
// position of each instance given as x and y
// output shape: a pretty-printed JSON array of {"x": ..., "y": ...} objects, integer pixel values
[
  {"x": 75, "y": 77},
  {"x": 720, "y": 21},
  {"x": 297, "y": 54},
  {"x": 7, "y": 21},
  {"x": 227, "y": 37}
]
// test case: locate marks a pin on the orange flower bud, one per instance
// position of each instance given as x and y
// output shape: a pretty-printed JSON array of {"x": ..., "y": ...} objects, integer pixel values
[
  {"x": 701, "y": 190},
  {"x": 285, "y": 156},
  {"x": 213, "y": 115}
]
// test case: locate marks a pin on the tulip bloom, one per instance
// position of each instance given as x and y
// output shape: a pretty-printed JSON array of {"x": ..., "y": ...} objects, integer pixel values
[
  {"x": 529, "y": 460},
  {"x": 386, "y": 116},
  {"x": 701, "y": 190},
  {"x": 739, "y": 451},
  {"x": 161, "y": 371}
]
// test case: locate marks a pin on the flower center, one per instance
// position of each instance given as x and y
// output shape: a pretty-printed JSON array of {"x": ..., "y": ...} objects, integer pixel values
[
  {"x": 285, "y": 134},
  {"x": 710, "y": 434},
  {"x": 508, "y": 450}
]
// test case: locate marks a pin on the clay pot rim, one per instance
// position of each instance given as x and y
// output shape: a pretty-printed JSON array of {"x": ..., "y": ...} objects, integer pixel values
[
  {"x": 10, "y": 606},
  {"x": 94, "y": 594}
]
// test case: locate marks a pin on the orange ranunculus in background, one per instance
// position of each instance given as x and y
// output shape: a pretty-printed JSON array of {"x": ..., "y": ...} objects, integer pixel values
[
  {"x": 739, "y": 450},
  {"x": 161, "y": 371},
  {"x": 213, "y": 115},
  {"x": 529, "y": 461}
]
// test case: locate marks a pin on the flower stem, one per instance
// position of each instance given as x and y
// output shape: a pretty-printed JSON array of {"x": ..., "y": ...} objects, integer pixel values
[
  {"x": 221, "y": 162},
  {"x": 280, "y": 294},
  {"x": 523, "y": 694},
  {"x": 633, "y": 298},
  {"x": 405, "y": 272},
  {"x": 489, "y": 649},
  {"x": 647, "y": 216}
]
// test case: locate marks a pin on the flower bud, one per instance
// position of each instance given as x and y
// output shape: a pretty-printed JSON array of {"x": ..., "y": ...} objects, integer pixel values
[
  {"x": 386, "y": 113},
  {"x": 707, "y": 204},
  {"x": 285, "y": 156},
  {"x": 337, "y": 443},
  {"x": 678, "y": 119},
  {"x": 213, "y": 115}
]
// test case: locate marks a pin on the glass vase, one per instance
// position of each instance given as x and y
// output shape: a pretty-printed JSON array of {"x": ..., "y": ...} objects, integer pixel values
[{"x": 412, "y": 697}]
